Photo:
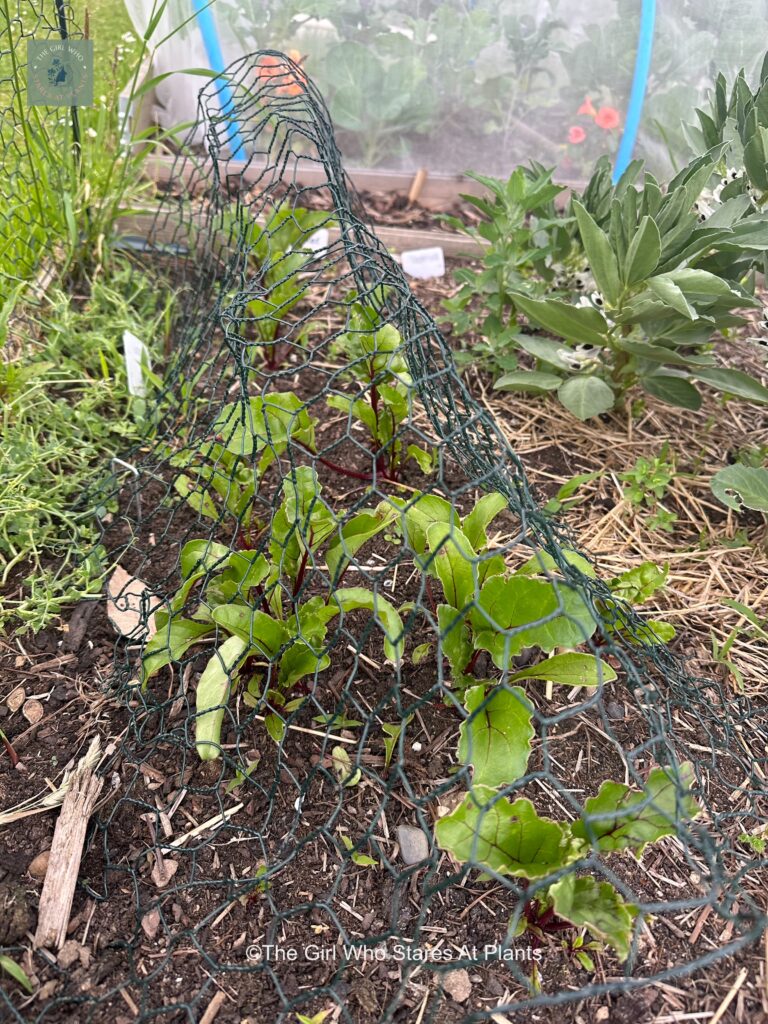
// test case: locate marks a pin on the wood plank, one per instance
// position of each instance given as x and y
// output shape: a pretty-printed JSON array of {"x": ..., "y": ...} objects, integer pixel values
[
  {"x": 394, "y": 238},
  {"x": 66, "y": 853}
]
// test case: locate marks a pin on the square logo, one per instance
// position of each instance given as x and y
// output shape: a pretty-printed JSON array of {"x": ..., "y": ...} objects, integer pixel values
[{"x": 60, "y": 73}]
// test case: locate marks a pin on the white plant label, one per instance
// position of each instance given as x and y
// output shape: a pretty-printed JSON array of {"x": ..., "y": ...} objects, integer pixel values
[
  {"x": 423, "y": 263},
  {"x": 319, "y": 240},
  {"x": 136, "y": 355}
]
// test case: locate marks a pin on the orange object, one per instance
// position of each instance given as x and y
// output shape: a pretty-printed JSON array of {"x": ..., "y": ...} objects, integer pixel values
[
  {"x": 287, "y": 81},
  {"x": 576, "y": 134},
  {"x": 607, "y": 118},
  {"x": 587, "y": 107}
]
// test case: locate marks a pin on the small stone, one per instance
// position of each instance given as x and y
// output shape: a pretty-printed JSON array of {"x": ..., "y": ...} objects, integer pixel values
[
  {"x": 163, "y": 871},
  {"x": 414, "y": 845},
  {"x": 457, "y": 985},
  {"x": 68, "y": 954},
  {"x": 151, "y": 922},
  {"x": 39, "y": 866}
]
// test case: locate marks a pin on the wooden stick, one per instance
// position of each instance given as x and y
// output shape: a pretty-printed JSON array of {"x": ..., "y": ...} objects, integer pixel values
[
  {"x": 720, "y": 1012},
  {"x": 66, "y": 853},
  {"x": 417, "y": 185}
]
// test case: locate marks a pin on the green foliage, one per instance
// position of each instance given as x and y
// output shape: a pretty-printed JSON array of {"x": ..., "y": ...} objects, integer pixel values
[
  {"x": 738, "y": 123},
  {"x": 278, "y": 256},
  {"x": 65, "y": 410},
  {"x": 668, "y": 280},
  {"x": 757, "y": 629},
  {"x": 647, "y": 483},
  {"x": 524, "y": 234},
  {"x": 741, "y": 487},
  {"x": 491, "y": 832},
  {"x": 268, "y": 634},
  {"x": 372, "y": 351},
  {"x": 19, "y": 976}
]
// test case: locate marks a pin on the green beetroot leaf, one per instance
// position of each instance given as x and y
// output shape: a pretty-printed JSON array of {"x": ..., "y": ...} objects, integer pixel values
[
  {"x": 452, "y": 560},
  {"x": 351, "y": 598},
  {"x": 496, "y": 737},
  {"x": 535, "y": 613},
  {"x": 622, "y": 818},
  {"x": 597, "y": 906},
  {"x": 213, "y": 691},
  {"x": 572, "y": 669},
  {"x": 504, "y": 837},
  {"x": 171, "y": 643}
]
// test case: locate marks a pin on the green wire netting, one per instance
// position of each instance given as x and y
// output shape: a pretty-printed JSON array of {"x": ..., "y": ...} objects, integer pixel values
[{"x": 342, "y": 620}]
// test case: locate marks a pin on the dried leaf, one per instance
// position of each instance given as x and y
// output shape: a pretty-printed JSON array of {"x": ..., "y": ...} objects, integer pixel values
[
  {"x": 15, "y": 699},
  {"x": 33, "y": 711}
]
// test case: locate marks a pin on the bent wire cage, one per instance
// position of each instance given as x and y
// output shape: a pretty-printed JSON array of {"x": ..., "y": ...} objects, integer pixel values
[{"x": 340, "y": 553}]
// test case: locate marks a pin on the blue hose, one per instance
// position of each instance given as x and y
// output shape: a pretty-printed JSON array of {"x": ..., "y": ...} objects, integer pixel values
[
  {"x": 216, "y": 60},
  {"x": 639, "y": 86}
]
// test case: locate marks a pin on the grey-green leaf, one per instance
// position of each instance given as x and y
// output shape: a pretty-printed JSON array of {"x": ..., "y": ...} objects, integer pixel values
[
  {"x": 741, "y": 487},
  {"x": 586, "y": 397}
]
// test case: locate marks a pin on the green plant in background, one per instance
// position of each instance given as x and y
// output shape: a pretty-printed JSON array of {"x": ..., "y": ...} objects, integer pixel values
[
  {"x": 378, "y": 91},
  {"x": 525, "y": 236},
  {"x": 278, "y": 253},
  {"x": 254, "y": 607},
  {"x": 65, "y": 198},
  {"x": 372, "y": 351},
  {"x": 505, "y": 836},
  {"x": 65, "y": 411},
  {"x": 647, "y": 483},
  {"x": 487, "y": 608},
  {"x": 667, "y": 283},
  {"x": 737, "y": 124}
]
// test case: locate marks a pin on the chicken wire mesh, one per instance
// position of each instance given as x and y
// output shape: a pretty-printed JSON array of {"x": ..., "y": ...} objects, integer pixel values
[{"x": 372, "y": 684}]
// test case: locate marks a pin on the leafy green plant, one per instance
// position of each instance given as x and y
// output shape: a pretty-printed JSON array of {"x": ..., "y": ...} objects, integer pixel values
[
  {"x": 666, "y": 283},
  {"x": 646, "y": 488},
  {"x": 373, "y": 354},
  {"x": 738, "y": 122},
  {"x": 255, "y": 607},
  {"x": 221, "y": 477},
  {"x": 525, "y": 236},
  {"x": 278, "y": 254},
  {"x": 65, "y": 409},
  {"x": 502, "y": 836},
  {"x": 19, "y": 976},
  {"x": 488, "y": 608}
]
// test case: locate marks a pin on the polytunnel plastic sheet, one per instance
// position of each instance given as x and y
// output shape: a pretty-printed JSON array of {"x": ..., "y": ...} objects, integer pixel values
[{"x": 456, "y": 85}]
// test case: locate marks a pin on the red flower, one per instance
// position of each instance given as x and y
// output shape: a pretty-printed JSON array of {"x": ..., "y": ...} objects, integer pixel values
[
  {"x": 576, "y": 134},
  {"x": 587, "y": 108},
  {"x": 607, "y": 118}
]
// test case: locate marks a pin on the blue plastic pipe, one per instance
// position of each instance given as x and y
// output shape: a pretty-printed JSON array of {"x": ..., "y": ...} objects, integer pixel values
[
  {"x": 216, "y": 60},
  {"x": 639, "y": 86}
]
